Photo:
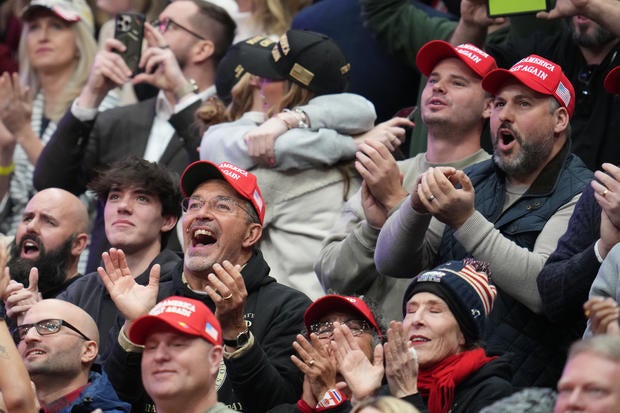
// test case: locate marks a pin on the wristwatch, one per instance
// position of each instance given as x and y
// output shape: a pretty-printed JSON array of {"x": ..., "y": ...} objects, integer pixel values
[{"x": 241, "y": 340}]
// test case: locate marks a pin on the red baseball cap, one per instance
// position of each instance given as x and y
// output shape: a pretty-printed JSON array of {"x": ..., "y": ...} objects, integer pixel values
[
  {"x": 612, "y": 81},
  {"x": 436, "y": 50},
  {"x": 242, "y": 181},
  {"x": 183, "y": 314},
  {"x": 332, "y": 302},
  {"x": 538, "y": 74}
]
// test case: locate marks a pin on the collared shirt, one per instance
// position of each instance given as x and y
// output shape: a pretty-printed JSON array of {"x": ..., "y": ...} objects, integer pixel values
[
  {"x": 63, "y": 402},
  {"x": 161, "y": 130}
]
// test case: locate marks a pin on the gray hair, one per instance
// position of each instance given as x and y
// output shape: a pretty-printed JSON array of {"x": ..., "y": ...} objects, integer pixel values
[{"x": 604, "y": 345}]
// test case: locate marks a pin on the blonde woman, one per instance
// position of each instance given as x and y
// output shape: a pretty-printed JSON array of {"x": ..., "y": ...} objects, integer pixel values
[{"x": 56, "y": 52}]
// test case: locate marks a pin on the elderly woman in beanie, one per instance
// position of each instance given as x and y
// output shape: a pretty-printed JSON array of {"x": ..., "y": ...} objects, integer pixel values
[{"x": 434, "y": 359}]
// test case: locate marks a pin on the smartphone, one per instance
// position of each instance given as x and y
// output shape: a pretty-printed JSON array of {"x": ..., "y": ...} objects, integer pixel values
[
  {"x": 409, "y": 113},
  {"x": 129, "y": 29},
  {"x": 499, "y": 8}
]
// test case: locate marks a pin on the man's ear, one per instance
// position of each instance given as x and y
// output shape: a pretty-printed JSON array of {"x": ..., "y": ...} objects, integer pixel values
[
  {"x": 561, "y": 119},
  {"x": 170, "y": 221},
  {"x": 215, "y": 358},
  {"x": 89, "y": 352},
  {"x": 79, "y": 244},
  {"x": 252, "y": 235},
  {"x": 203, "y": 50},
  {"x": 488, "y": 107}
]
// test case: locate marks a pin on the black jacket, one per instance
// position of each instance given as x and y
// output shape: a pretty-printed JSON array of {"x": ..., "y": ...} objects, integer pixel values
[
  {"x": 89, "y": 293},
  {"x": 262, "y": 377},
  {"x": 480, "y": 389}
]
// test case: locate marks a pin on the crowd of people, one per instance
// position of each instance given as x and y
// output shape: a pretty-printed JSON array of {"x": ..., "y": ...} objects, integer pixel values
[{"x": 413, "y": 207}]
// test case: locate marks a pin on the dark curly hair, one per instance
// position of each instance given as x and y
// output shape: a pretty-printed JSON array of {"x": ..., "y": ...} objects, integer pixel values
[{"x": 148, "y": 176}]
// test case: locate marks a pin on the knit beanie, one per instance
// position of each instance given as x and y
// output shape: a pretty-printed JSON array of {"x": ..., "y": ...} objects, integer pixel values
[{"x": 464, "y": 286}]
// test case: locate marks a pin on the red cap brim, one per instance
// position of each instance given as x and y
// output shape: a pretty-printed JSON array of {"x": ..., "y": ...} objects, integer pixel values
[{"x": 612, "y": 81}]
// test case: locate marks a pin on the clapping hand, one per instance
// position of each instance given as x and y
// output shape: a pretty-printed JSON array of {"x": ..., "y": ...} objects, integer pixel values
[{"x": 132, "y": 299}]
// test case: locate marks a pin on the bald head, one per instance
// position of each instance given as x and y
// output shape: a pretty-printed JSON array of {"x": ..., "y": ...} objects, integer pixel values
[
  {"x": 59, "y": 343},
  {"x": 63, "y": 204},
  {"x": 51, "y": 236}
]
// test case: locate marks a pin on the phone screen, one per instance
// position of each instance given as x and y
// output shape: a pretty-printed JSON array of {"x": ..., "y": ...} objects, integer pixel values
[
  {"x": 498, "y": 8},
  {"x": 129, "y": 29}
]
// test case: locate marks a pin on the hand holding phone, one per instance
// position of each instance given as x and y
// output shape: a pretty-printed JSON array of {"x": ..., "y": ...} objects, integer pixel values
[{"x": 129, "y": 29}]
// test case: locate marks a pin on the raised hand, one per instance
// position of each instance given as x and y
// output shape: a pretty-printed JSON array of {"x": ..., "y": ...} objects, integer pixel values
[
  {"x": 132, "y": 299},
  {"x": 382, "y": 181},
  {"x": 474, "y": 12},
  {"x": 15, "y": 108},
  {"x": 390, "y": 133},
  {"x": 227, "y": 290},
  {"x": 603, "y": 314},
  {"x": 564, "y": 8},
  {"x": 440, "y": 196},
  {"x": 5, "y": 279},
  {"x": 317, "y": 364},
  {"x": 161, "y": 68},
  {"x": 108, "y": 71},
  {"x": 363, "y": 377},
  {"x": 19, "y": 299},
  {"x": 606, "y": 187},
  {"x": 401, "y": 363}
]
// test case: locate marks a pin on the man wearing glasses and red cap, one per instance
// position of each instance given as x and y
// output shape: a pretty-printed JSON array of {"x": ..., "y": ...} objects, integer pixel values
[
  {"x": 508, "y": 211},
  {"x": 223, "y": 268}
]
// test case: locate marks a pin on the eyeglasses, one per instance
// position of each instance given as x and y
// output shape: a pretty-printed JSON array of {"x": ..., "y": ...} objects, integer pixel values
[
  {"x": 221, "y": 205},
  {"x": 164, "y": 25},
  {"x": 325, "y": 329},
  {"x": 45, "y": 328}
]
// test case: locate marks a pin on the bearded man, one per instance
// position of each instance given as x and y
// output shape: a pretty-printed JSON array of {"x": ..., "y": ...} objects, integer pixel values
[{"x": 51, "y": 236}]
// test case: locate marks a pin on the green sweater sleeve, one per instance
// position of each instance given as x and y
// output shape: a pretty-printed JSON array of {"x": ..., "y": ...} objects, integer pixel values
[{"x": 402, "y": 28}]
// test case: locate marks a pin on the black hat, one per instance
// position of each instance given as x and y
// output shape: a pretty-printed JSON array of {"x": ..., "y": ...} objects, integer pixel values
[
  {"x": 465, "y": 287},
  {"x": 312, "y": 60},
  {"x": 251, "y": 55}
]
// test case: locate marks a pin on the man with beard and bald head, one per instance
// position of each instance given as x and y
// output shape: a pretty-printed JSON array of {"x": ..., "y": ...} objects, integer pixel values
[
  {"x": 59, "y": 343},
  {"x": 509, "y": 211},
  {"x": 184, "y": 47},
  {"x": 51, "y": 236}
]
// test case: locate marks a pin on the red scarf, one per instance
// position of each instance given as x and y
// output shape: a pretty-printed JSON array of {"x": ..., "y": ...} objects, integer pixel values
[{"x": 438, "y": 382}]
